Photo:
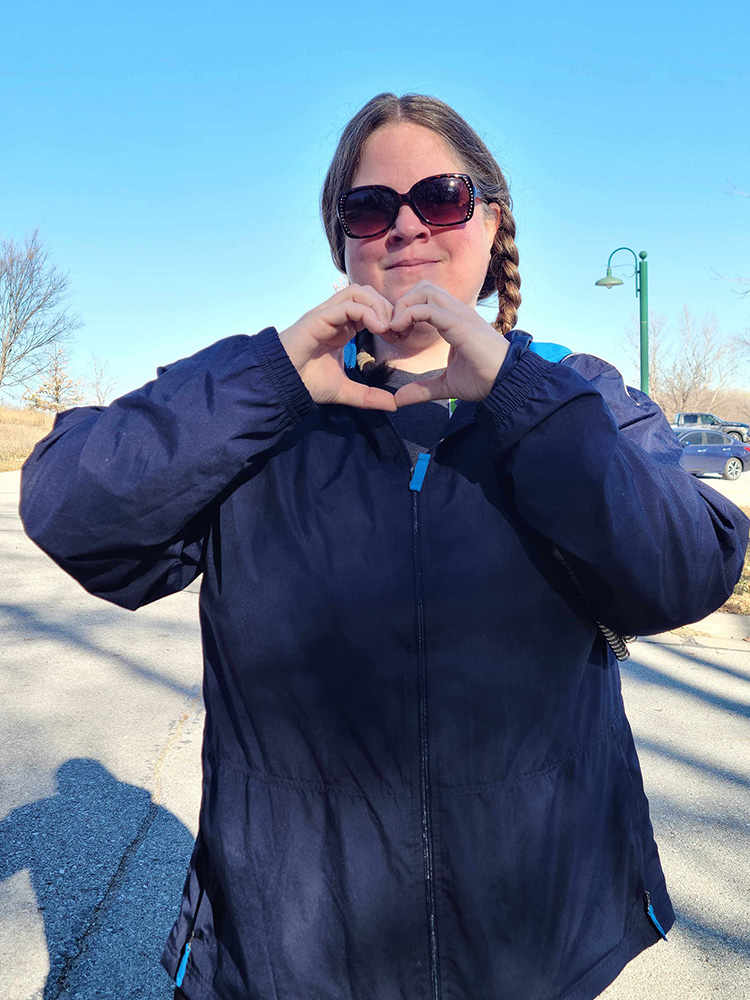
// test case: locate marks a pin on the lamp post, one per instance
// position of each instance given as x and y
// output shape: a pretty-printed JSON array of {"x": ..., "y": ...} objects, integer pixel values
[{"x": 641, "y": 291}]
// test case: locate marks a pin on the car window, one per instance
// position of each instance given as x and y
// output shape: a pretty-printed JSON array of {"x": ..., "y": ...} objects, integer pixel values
[
  {"x": 691, "y": 418},
  {"x": 715, "y": 437},
  {"x": 694, "y": 437}
]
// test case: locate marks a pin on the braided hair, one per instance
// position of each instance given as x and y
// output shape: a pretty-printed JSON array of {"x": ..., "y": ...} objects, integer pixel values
[{"x": 502, "y": 275}]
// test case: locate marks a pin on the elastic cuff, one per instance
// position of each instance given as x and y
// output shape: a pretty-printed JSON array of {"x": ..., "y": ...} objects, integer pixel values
[
  {"x": 282, "y": 372},
  {"x": 513, "y": 387}
]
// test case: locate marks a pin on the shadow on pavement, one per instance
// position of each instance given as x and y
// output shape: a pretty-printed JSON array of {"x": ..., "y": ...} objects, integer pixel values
[
  {"x": 705, "y": 822},
  {"x": 28, "y": 622},
  {"x": 648, "y": 675},
  {"x": 107, "y": 866},
  {"x": 708, "y": 935},
  {"x": 707, "y": 768}
]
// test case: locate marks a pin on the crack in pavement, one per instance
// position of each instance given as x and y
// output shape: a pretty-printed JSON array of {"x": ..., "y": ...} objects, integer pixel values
[
  {"x": 190, "y": 715},
  {"x": 100, "y": 909}
]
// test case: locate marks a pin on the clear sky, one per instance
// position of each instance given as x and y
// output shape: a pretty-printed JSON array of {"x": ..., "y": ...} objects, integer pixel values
[{"x": 171, "y": 155}]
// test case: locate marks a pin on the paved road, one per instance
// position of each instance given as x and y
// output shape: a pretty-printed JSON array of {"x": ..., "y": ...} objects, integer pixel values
[
  {"x": 100, "y": 724},
  {"x": 738, "y": 491}
]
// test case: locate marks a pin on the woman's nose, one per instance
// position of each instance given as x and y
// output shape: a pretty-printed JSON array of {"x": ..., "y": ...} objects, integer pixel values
[{"x": 408, "y": 225}]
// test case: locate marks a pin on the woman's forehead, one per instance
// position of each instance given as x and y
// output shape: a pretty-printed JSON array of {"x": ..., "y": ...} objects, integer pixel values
[{"x": 401, "y": 153}]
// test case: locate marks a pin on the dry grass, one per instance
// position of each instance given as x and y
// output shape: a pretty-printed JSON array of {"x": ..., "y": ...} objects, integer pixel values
[
  {"x": 19, "y": 432},
  {"x": 739, "y": 602}
]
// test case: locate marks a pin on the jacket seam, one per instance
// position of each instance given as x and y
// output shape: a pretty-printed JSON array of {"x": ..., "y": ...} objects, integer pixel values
[
  {"x": 479, "y": 786},
  {"x": 299, "y": 784}
]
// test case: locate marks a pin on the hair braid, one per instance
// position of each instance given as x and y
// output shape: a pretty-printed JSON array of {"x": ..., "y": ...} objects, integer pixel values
[{"x": 503, "y": 273}]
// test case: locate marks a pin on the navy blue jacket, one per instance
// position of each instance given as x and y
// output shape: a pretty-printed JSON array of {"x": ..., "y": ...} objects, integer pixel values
[{"x": 419, "y": 781}]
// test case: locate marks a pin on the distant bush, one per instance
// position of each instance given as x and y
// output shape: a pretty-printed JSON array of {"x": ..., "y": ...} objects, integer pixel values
[
  {"x": 19, "y": 432},
  {"x": 739, "y": 602}
]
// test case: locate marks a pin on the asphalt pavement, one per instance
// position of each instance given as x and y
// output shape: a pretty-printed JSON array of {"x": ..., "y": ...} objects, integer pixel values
[{"x": 100, "y": 729}]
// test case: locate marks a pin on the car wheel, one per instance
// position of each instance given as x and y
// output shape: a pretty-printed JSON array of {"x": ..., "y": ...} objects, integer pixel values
[
  {"x": 733, "y": 469},
  {"x": 735, "y": 435}
]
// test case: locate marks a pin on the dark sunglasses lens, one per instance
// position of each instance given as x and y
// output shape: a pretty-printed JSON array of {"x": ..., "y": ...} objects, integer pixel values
[
  {"x": 443, "y": 201},
  {"x": 369, "y": 211}
]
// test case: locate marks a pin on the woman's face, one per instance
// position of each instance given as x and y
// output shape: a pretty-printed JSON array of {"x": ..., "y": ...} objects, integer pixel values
[{"x": 455, "y": 257}]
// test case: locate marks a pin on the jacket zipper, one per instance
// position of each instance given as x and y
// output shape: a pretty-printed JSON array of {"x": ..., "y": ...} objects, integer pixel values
[
  {"x": 418, "y": 474},
  {"x": 182, "y": 967},
  {"x": 649, "y": 907}
]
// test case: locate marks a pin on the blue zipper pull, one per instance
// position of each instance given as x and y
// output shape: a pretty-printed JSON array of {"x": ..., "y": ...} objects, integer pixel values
[
  {"x": 183, "y": 965},
  {"x": 652, "y": 916},
  {"x": 420, "y": 470}
]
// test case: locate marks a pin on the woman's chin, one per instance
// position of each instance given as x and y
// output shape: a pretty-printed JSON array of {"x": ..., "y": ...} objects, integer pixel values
[
  {"x": 416, "y": 338},
  {"x": 400, "y": 280}
]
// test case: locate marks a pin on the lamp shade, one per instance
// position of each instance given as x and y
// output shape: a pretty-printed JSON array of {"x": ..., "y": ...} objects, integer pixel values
[{"x": 609, "y": 281}]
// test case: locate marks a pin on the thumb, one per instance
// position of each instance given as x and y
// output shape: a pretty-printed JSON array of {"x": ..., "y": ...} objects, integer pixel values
[
  {"x": 364, "y": 397},
  {"x": 422, "y": 391}
]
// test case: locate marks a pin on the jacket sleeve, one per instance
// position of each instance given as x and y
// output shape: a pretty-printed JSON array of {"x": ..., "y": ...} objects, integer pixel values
[
  {"x": 594, "y": 469},
  {"x": 121, "y": 497}
]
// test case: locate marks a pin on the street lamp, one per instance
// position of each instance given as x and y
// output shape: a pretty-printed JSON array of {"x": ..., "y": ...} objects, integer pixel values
[{"x": 641, "y": 291}]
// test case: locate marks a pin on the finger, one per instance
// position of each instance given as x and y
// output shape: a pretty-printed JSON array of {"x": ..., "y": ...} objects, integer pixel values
[
  {"x": 421, "y": 293},
  {"x": 422, "y": 391},
  {"x": 365, "y": 397},
  {"x": 372, "y": 297},
  {"x": 353, "y": 316},
  {"x": 427, "y": 312},
  {"x": 379, "y": 306}
]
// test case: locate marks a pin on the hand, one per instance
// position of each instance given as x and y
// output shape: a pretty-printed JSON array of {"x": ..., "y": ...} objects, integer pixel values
[
  {"x": 315, "y": 346},
  {"x": 476, "y": 352}
]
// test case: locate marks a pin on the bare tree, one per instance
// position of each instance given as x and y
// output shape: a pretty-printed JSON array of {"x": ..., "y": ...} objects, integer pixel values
[
  {"x": 693, "y": 370},
  {"x": 57, "y": 391},
  {"x": 32, "y": 312},
  {"x": 102, "y": 384},
  {"x": 658, "y": 351}
]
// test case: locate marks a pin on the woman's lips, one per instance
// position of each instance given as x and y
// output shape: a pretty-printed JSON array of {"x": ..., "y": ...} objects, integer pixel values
[{"x": 410, "y": 263}]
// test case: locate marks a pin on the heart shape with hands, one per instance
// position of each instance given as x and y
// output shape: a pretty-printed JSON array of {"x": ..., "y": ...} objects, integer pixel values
[{"x": 316, "y": 341}]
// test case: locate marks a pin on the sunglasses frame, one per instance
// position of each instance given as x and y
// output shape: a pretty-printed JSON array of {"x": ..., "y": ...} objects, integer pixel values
[{"x": 407, "y": 199}]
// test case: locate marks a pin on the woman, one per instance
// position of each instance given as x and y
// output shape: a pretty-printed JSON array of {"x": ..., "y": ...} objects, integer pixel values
[{"x": 419, "y": 781}]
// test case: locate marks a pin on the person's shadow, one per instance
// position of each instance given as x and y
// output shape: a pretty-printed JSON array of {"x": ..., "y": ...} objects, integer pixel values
[{"x": 107, "y": 867}]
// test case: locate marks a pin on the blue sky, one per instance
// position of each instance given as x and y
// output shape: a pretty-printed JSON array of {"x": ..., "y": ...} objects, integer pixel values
[{"x": 171, "y": 156}]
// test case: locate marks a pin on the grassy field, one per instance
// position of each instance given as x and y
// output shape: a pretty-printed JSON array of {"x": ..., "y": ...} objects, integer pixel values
[{"x": 19, "y": 432}]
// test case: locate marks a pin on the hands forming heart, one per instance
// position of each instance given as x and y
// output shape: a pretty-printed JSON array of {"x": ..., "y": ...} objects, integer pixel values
[{"x": 316, "y": 341}]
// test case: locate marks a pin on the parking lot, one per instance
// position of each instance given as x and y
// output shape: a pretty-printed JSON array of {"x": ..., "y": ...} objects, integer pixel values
[{"x": 737, "y": 491}]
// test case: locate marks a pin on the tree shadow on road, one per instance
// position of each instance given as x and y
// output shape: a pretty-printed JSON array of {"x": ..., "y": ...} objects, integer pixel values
[
  {"x": 698, "y": 795},
  {"x": 650, "y": 675},
  {"x": 30, "y": 624},
  {"x": 107, "y": 865}
]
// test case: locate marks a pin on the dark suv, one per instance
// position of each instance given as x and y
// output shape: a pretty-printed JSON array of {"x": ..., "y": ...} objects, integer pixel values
[{"x": 735, "y": 429}]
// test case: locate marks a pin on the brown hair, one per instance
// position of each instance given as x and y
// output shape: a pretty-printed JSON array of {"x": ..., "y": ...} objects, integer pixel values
[{"x": 502, "y": 273}]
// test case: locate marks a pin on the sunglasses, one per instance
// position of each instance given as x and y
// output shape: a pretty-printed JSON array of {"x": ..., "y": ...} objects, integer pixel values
[{"x": 441, "y": 200}]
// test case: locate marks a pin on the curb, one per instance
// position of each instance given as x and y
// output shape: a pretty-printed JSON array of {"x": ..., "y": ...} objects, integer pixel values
[{"x": 720, "y": 625}]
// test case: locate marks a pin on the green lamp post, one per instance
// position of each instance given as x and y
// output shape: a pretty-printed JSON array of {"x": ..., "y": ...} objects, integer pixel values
[{"x": 641, "y": 291}]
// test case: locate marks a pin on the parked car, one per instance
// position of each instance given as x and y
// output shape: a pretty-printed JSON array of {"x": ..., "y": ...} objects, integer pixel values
[
  {"x": 734, "y": 428},
  {"x": 706, "y": 451}
]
